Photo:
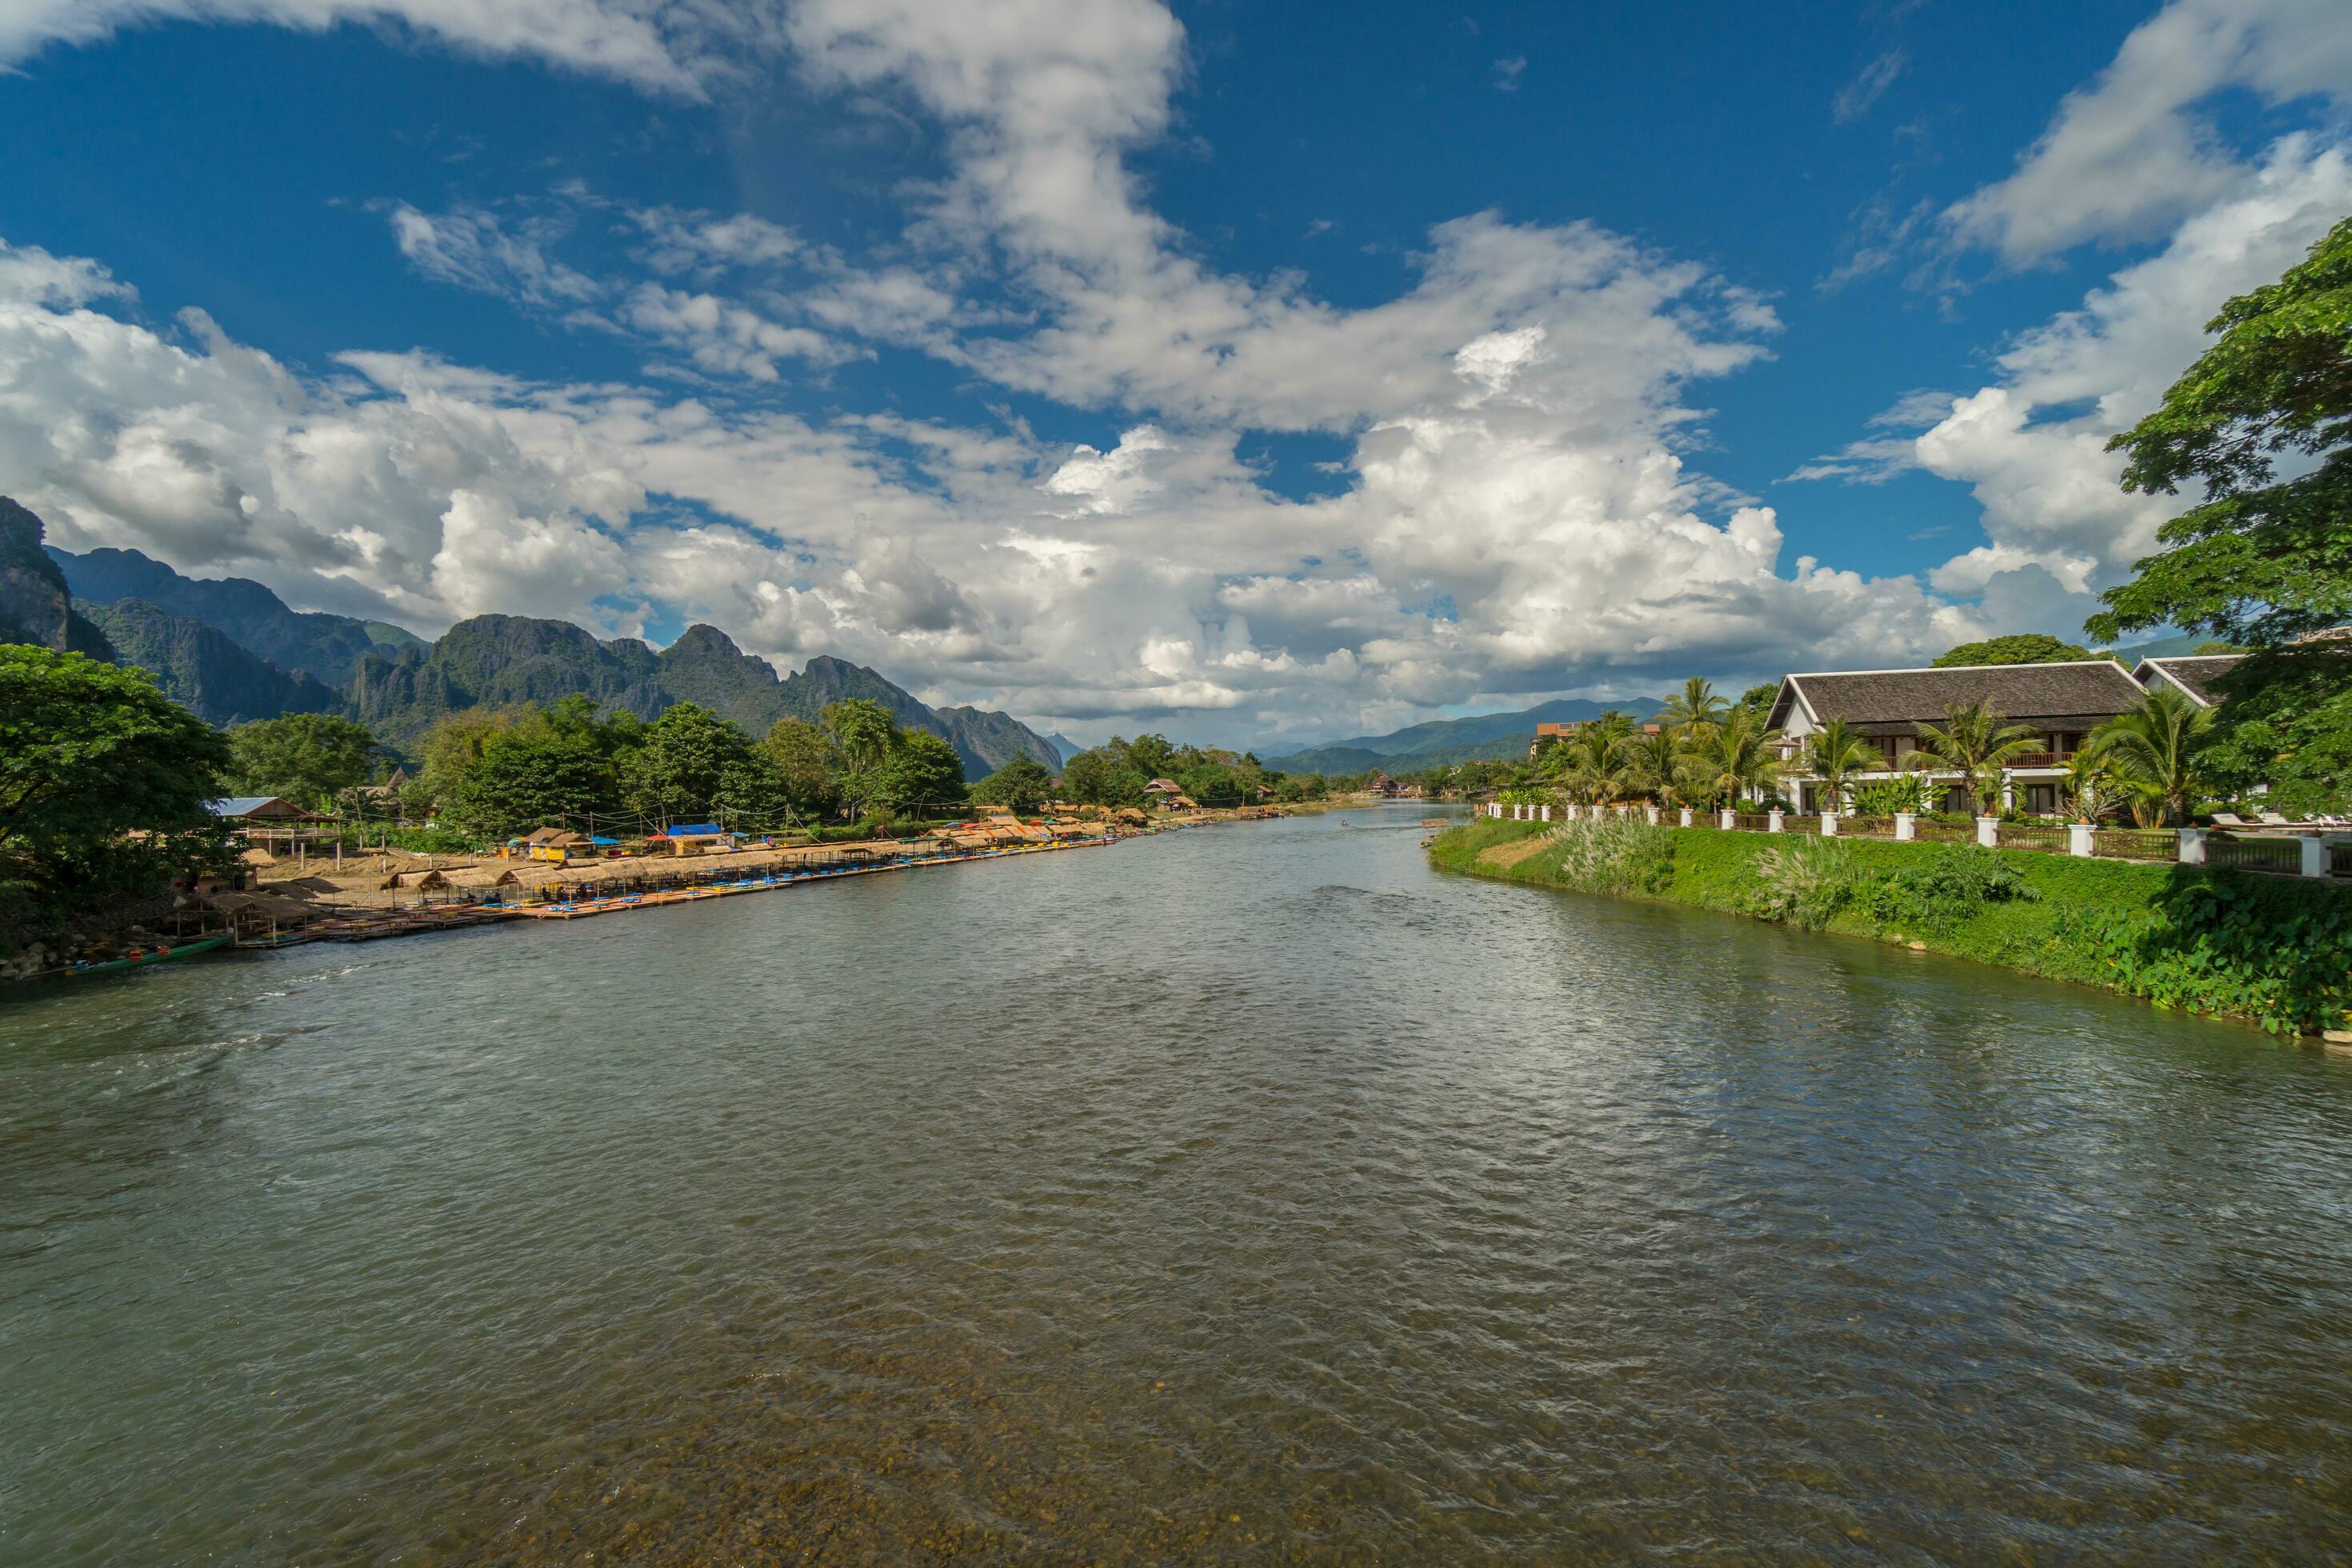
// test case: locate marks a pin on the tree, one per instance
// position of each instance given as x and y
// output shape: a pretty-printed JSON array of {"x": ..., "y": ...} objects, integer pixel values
[
  {"x": 1697, "y": 703},
  {"x": 1834, "y": 753},
  {"x": 2153, "y": 751},
  {"x": 1021, "y": 785},
  {"x": 1102, "y": 777},
  {"x": 1656, "y": 764},
  {"x": 1595, "y": 762},
  {"x": 2026, "y": 647},
  {"x": 689, "y": 755},
  {"x": 921, "y": 770},
  {"x": 536, "y": 769},
  {"x": 2260, "y": 560},
  {"x": 1150, "y": 755},
  {"x": 1734, "y": 757},
  {"x": 864, "y": 735},
  {"x": 309, "y": 758},
  {"x": 91, "y": 754},
  {"x": 1974, "y": 743},
  {"x": 1758, "y": 700},
  {"x": 807, "y": 764}
]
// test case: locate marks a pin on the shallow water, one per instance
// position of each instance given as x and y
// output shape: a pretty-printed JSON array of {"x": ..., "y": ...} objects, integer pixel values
[{"x": 1247, "y": 1193}]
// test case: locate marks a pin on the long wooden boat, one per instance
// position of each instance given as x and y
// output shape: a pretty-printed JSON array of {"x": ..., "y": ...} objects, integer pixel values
[{"x": 139, "y": 960}]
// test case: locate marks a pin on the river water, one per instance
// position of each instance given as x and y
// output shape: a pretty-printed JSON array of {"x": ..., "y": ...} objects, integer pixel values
[{"x": 1253, "y": 1193}]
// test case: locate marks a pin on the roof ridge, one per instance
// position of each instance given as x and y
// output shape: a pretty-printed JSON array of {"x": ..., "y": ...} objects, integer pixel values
[{"x": 1956, "y": 668}]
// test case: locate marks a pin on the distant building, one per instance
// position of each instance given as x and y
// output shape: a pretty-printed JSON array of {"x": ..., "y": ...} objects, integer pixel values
[{"x": 253, "y": 808}]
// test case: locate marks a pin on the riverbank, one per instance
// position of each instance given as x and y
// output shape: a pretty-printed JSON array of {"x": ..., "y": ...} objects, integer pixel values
[{"x": 2225, "y": 944}]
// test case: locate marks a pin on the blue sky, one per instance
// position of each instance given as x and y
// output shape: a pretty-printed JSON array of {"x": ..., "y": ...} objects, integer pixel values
[{"x": 1255, "y": 374}]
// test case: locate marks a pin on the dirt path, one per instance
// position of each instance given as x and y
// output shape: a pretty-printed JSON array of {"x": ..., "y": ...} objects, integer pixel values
[{"x": 1502, "y": 857}]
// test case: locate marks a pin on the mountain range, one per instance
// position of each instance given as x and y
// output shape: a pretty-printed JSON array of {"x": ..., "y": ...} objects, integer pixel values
[
  {"x": 1438, "y": 742},
  {"x": 230, "y": 651}
]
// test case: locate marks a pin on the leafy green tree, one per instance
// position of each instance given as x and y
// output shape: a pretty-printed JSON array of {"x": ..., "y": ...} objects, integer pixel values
[
  {"x": 1022, "y": 785},
  {"x": 90, "y": 753},
  {"x": 1734, "y": 757},
  {"x": 1974, "y": 743},
  {"x": 1150, "y": 755},
  {"x": 2026, "y": 647},
  {"x": 1595, "y": 764},
  {"x": 1697, "y": 703},
  {"x": 865, "y": 735},
  {"x": 534, "y": 770},
  {"x": 2153, "y": 749},
  {"x": 1758, "y": 700},
  {"x": 2260, "y": 560},
  {"x": 1834, "y": 753},
  {"x": 1102, "y": 777},
  {"x": 921, "y": 770},
  {"x": 309, "y": 758},
  {"x": 1656, "y": 763},
  {"x": 689, "y": 755},
  {"x": 807, "y": 765}
]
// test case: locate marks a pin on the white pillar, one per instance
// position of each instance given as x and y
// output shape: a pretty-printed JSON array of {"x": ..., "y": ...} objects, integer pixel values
[
  {"x": 1828, "y": 825},
  {"x": 1653, "y": 814},
  {"x": 1773, "y": 822},
  {"x": 1547, "y": 814},
  {"x": 2314, "y": 856},
  {"x": 1687, "y": 816},
  {"x": 1988, "y": 831},
  {"x": 2192, "y": 846},
  {"x": 1903, "y": 828},
  {"x": 2078, "y": 838},
  {"x": 1724, "y": 818}
]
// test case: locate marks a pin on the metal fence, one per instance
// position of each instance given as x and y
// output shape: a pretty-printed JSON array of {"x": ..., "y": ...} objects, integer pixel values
[{"x": 2284, "y": 856}]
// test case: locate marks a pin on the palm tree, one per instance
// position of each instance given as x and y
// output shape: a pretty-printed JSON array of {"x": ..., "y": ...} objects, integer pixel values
[
  {"x": 2092, "y": 783},
  {"x": 1834, "y": 753},
  {"x": 1595, "y": 764},
  {"x": 1657, "y": 762},
  {"x": 1974, "y": 743},
  {"x": 2153, "y": 749},
  {"x": 1695, "y": 704},
  {"x": 1734, "y": 756}
]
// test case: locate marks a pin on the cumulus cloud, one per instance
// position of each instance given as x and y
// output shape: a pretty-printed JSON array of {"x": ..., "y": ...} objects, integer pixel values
[
  {"x": 473, "y": 249},
  {"x": 2032, "y": 446},
  {"x": 2128, "y": 155}
]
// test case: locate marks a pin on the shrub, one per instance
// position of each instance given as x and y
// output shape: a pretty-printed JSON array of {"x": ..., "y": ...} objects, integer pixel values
[
  {"x": 1614, "y": 854},
  {"x": 1949, "y": 883},
  {"x": 1805, "y": 881}
]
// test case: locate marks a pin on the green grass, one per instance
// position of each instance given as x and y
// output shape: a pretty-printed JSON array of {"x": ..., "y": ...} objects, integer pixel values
[{"x": 2274, "y": 951}]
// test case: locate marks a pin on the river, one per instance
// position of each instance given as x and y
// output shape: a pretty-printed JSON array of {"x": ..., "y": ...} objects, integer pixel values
[{"x": 1251, "y": 1193}]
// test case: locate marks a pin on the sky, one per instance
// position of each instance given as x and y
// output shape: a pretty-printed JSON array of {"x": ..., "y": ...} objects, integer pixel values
[{"x": 1257, "y": 374}]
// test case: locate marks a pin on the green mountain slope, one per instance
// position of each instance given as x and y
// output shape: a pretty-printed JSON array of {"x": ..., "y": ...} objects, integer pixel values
[
  {"x": 1439, "y": 742},
  {"x": 202, "y": 670},
  {"x": 328, "y": 647}
]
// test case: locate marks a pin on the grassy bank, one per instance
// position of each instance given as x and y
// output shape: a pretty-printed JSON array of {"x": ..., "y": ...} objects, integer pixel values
[{"x": 2274, "y": 951}]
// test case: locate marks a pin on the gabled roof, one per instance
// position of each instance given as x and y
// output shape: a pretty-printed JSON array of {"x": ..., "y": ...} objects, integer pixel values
[
  {"x": 1166, "y": 786},
  {"x": 2086, "y": 690},
  {"x": 251, "y": 806},
  {"x": 2193, "y": 675}
]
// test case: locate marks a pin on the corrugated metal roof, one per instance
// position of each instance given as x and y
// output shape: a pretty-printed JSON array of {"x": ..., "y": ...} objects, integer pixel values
[{"x": 244, "y": 805}]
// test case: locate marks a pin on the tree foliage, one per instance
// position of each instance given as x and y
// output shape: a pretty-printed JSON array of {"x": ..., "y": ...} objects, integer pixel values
[
  {"x": 2262, "y": 561},
  {"x": 2026, "y": 647},
  {"x": 103, "y": 781},
  {"x": 309, "y": 758}
]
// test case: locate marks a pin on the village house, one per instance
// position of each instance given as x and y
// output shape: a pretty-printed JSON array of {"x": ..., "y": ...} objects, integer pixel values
[{"x": 2062, "y": 704}]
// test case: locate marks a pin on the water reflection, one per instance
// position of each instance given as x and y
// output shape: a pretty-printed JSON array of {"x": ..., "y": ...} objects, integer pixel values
[{"x": 1248, "y": 1193}]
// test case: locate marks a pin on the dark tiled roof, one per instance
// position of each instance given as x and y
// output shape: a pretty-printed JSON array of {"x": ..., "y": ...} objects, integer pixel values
[
  {"x": 2088, "y": 690},
  {"x": 2195, "y": 675}
]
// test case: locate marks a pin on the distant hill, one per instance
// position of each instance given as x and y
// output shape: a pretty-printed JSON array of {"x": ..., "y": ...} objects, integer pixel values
[
  {"x": 329, "y": 647},
  {"x": 1440, "y": 741},
  {"x": 2179, "y": 646},
  {"x": 1065, "y": 745},
  {"x": 497, "y": 662},
  {"x": 230, "y": 649},
  {"x": 202, "y": 670}
]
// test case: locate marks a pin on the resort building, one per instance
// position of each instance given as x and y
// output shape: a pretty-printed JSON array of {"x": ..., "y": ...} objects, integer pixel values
[
  {"x": 2062, "y": 703},
  {"x": 2193, "y": 677}
]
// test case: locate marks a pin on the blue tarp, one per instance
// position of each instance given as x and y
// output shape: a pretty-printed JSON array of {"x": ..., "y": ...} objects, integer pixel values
[{"x": 694, "y": 830}]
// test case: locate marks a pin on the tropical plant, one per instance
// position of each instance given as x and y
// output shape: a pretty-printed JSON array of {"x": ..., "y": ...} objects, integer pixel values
[
  {"x": 2153, "y": 751},
  {"x": 1695, "y": 704},
  {"x": 1974, "y": 743},
  {"x": 2262, "y": 561},
  {"x": 1021, "y": 785},
  {"x": 1654, "y": 763},
  {"x": 1804, "y": 881},
  {"x": 1833, "y": 754},
  {"x": 2091, "y": 787},
  {"x": 1595, "y": 764},
  {"x": 1912, "y": 793},
  {"x": 1613, "y": 855},
  {"x": 1733, "y": 757}
]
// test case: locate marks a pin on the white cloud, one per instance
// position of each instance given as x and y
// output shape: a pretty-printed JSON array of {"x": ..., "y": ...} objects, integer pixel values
[
  {"x": 2128, "y": 156},
  {"x": 473, "y": 249},
  {"x": 1855, "y": 100}
]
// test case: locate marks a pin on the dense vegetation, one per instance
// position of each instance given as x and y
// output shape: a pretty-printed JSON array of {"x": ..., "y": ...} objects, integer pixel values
[
  {"x": 102, "y": 785},
  {"x": 2274, "y": 951},
  {"x": 2263, "y": 562}
]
